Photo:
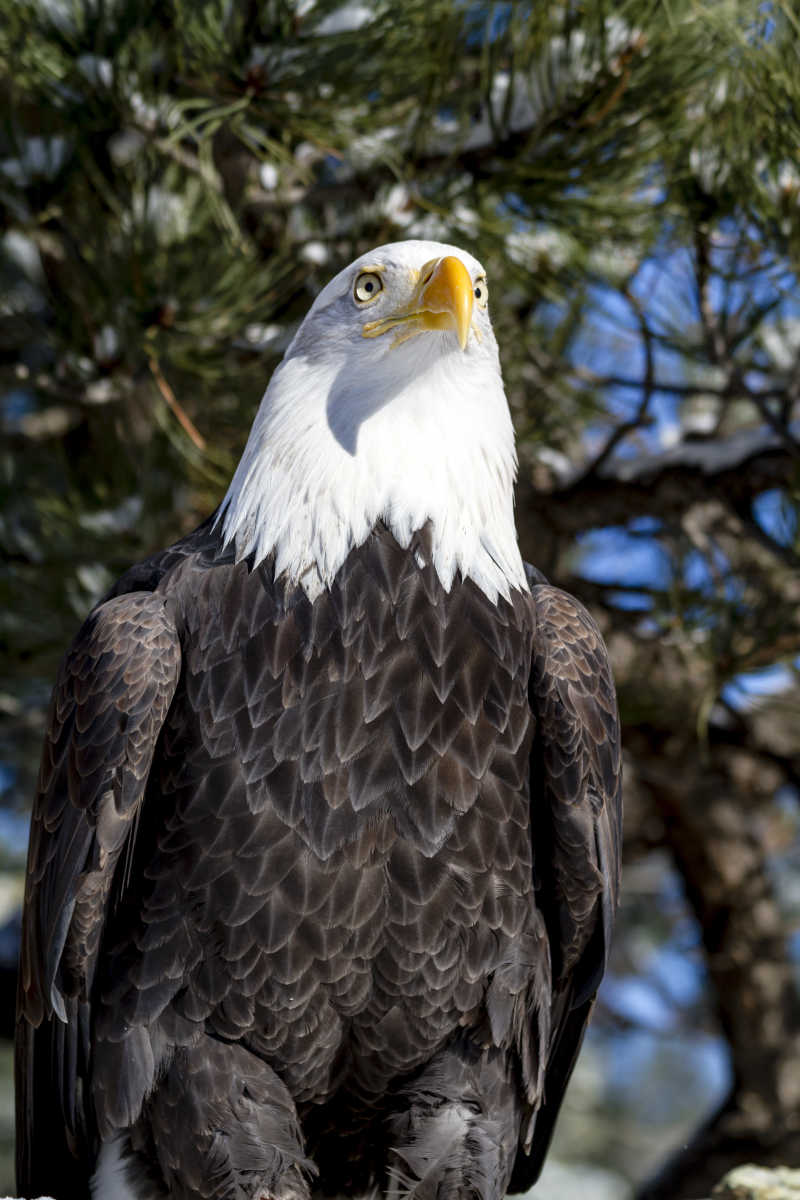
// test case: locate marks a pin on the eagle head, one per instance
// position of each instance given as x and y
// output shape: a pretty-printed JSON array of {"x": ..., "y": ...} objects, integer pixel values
[{"x": 388, "y": 406}]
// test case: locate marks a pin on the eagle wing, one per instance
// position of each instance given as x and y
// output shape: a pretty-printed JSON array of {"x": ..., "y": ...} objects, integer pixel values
[
  {"x": 113, "y": 691},
  {"x": 576, "y": 819}
]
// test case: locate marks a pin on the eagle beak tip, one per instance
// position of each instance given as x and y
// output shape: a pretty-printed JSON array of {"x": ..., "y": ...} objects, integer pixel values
[{"x": 448, "y": 296}]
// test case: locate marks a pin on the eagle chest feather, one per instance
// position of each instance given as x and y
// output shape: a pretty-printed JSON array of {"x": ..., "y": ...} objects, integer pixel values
[{"x": 343, "y": 809}]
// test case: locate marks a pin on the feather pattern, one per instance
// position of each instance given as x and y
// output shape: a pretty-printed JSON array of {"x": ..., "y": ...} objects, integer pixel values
[{"x": 333, "y": 859}]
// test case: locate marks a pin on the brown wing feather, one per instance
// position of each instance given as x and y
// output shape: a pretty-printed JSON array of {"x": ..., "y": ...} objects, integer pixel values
[
  {"x": 113, "y": 691},
  {"x": 576, "y": 800}
]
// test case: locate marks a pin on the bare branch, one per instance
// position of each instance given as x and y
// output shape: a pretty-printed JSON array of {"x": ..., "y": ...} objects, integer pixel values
[
  {"x": 647, "y": 385},
  {"x": 665, "y": 485},
  {"x": 184, "y": 420}
]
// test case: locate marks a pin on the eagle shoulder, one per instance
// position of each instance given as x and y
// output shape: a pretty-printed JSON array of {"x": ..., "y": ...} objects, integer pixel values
[
  {"x": 112, "y": 694},
  {"x": 576, "y": 824}
]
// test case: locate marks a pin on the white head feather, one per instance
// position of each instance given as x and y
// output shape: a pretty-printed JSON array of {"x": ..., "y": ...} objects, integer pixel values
[{"x": 355, "y": 429}]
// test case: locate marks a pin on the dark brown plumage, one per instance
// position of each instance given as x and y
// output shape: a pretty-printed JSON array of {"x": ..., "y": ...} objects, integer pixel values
[{"x": 291, "y": 847}]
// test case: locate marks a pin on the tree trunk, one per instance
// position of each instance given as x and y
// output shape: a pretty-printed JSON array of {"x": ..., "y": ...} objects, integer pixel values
[{"x": 711, "y": 825}]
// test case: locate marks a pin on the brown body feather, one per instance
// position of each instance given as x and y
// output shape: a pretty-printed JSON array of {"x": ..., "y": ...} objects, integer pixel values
[{"x": 327, "y": 880}]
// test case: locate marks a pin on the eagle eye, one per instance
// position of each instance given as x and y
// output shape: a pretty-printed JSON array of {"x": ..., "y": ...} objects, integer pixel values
[
  {"x": 367, "y": 286},
  {"x": 481, "y": 292}
]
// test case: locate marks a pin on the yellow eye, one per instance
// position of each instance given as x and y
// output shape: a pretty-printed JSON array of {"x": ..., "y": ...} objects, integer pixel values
[
  {"x": 367, "y": 286},
  {"x": 481, "y": 292}
]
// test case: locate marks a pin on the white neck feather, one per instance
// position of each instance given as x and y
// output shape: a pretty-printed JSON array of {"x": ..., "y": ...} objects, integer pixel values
[
  {"x": 408, "y": 435},
  {"x": 112, "y": 1178}
]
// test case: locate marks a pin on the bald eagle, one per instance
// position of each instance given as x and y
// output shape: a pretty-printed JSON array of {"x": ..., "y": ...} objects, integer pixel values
[{"x": 325, "y": 852}]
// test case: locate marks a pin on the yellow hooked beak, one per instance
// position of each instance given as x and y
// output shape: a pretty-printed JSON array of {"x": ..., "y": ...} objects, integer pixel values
[{"x": 442, "y": 299}]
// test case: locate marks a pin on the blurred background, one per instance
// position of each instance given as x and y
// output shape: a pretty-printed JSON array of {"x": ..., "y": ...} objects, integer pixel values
[{"x": 177, "y": 180}]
